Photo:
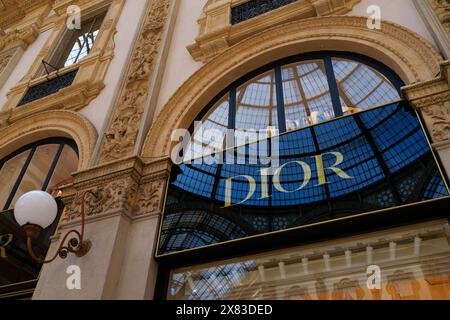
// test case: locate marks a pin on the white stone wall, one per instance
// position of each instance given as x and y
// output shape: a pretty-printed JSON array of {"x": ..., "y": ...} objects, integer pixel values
[
  {"x": 127, "y": 29},
  {"x": 402, "y": 12},
  {"x": 180, "y": 64}
]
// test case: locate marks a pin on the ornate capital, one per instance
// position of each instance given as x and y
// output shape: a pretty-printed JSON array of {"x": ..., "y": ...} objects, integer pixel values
[
  {"x": 432, "y": 99},
  {"x": 129, "y": 187}
]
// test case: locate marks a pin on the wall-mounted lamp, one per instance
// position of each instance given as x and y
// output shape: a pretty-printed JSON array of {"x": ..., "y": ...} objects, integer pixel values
[{"x": 37, "y": 210}]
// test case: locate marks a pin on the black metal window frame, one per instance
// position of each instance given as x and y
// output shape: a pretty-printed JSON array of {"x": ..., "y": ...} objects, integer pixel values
[
  {"x": 62, "y": 142},
  {"x": 48, "y": 87},
  {"x": 254, "y": 8},
  {"x": 326, "y": 57}
]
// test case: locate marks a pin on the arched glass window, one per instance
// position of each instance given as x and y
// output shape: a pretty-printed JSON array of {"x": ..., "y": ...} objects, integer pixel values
[
  {"x": 44, "y": 165},
  {"x": 348, "y": 144},
  {"x": 295, "y": 93}
]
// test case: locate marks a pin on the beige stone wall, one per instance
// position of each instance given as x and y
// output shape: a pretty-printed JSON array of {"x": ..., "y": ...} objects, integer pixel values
[{"x": 163, "y": 67}]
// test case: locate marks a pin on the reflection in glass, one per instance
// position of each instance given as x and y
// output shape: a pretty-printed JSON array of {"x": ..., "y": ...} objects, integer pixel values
[
  {"x": 37, "y": 170},
  {"x": 361, "y": 87},
  {"x": 409, "y": 271},
  {"x": 209, "y": 134},
  {"x": 256, "y": 104},
  {"x": 9, "y": 174},
  {"x": 364, "y": 162},
  {"x": 44, "y": 165},
  {"x": 67, "y": 165},
  {"x": 304, "y": 97},
  {"x": 307, "y": 98}
]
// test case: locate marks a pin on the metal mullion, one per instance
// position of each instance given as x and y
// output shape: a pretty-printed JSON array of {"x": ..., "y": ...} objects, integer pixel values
[
  {"x": 332, "y": 85},
  {"x": 302, "y": 91},
  {"x": 280, "y": 99},
  {"x": 53, "y": 167},
  {"x": 232, "y": 109},
  {"x": 318, "y": 151},
  {"x": 19, "y": 179},
  {"x": 378, "y": 155}
]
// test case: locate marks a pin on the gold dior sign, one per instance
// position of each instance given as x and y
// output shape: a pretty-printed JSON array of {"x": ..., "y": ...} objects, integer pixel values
[{"x": 276, "y": 181}]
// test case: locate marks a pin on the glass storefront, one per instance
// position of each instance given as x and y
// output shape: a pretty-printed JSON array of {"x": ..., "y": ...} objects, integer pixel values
[
  {"x": 400, "y": 264},
  {"x": 362, "y": 163},
  {"x": 328, "y": 141}
]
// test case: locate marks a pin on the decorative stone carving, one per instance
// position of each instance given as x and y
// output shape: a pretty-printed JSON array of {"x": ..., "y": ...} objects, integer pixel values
[
  {"x": 19, "y": 37},
  {"x": 127, "y": 186},
  {"x": 115, "y": 195},
  {"x": 13, "y": 11},
  {"x": 432, "y": 99},
  {"x": 217, "y": 32},
  {"x": 442, "y": 10},
  {"x": 150, "y": 197},
  {"x": 50, "y": 124},
  {"x": 91, "y": 70},
  {"x": 4, "y": 60},
  {"x": 409, "y": 55},
  {"x": 439, "y": 117},
  {"x": 121, "y": 134}
]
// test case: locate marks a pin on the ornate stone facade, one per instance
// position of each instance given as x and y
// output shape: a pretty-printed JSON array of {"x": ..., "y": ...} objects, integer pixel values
[
  {"x": 411, "y": 57},
  {"x": 91, "y": 70},
  {"x": 123, "y": 130},
  {"x": 217, "y": 32},
  {"x": 442, "y": 10},
  {"x": 131, "y": 181},
  {"x": 129, "y": 186},
  {"x": 4, "y": 60},
  {"x": 432, "y": 99},
  {"x": 47, "y": 124}
]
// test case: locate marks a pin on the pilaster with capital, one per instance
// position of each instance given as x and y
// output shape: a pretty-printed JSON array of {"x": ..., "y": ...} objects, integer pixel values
[{"x": 432, "y": 100}]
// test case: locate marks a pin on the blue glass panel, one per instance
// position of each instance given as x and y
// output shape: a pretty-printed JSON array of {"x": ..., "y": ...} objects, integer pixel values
[{"x": 359, "y": 163}]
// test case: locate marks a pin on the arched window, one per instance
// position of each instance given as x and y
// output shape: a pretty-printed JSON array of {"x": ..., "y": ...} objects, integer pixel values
[
  {"x": 295, "y": 93},
  {"x": 44, "y": 165},
  {"x": 348, "y": 144}
]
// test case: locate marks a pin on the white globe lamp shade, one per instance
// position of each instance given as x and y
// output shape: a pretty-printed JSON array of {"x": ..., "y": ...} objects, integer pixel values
[{"x": 37, "y": 208}]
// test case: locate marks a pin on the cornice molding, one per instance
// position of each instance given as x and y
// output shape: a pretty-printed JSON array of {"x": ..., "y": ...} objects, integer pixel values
[
  {"x": 217, "y": 33},
  {"x": 14, "y": 11}
]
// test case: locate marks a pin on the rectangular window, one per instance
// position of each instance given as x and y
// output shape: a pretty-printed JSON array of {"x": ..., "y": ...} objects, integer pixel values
[
  {"x": 75, "y": 44},
  {"x": 254, "y": 8}
]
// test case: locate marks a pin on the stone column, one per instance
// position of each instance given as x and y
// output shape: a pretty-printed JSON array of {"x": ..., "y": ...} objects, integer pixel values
[
  {"x": 123, "y": 222},
  {"x": 434, "y": 15},
  {"x": 432, "y": 100}
]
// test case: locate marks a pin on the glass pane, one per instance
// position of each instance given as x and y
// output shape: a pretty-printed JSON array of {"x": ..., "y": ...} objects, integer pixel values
[
  {"x": 407, "y": 262},
  {"x": 210, "y": 132},
  {"x": 37, "y": 170},
  {"x": 81, "y": 47},
  {"x": 307, "y": 96},
  {"x": 361, "y": 87},
  {"x": 369, "y": 161},
  {"x": 256, "y": 107},
  {"x": 9, "y": 173},
  {"x": 67, "y": 164}
]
